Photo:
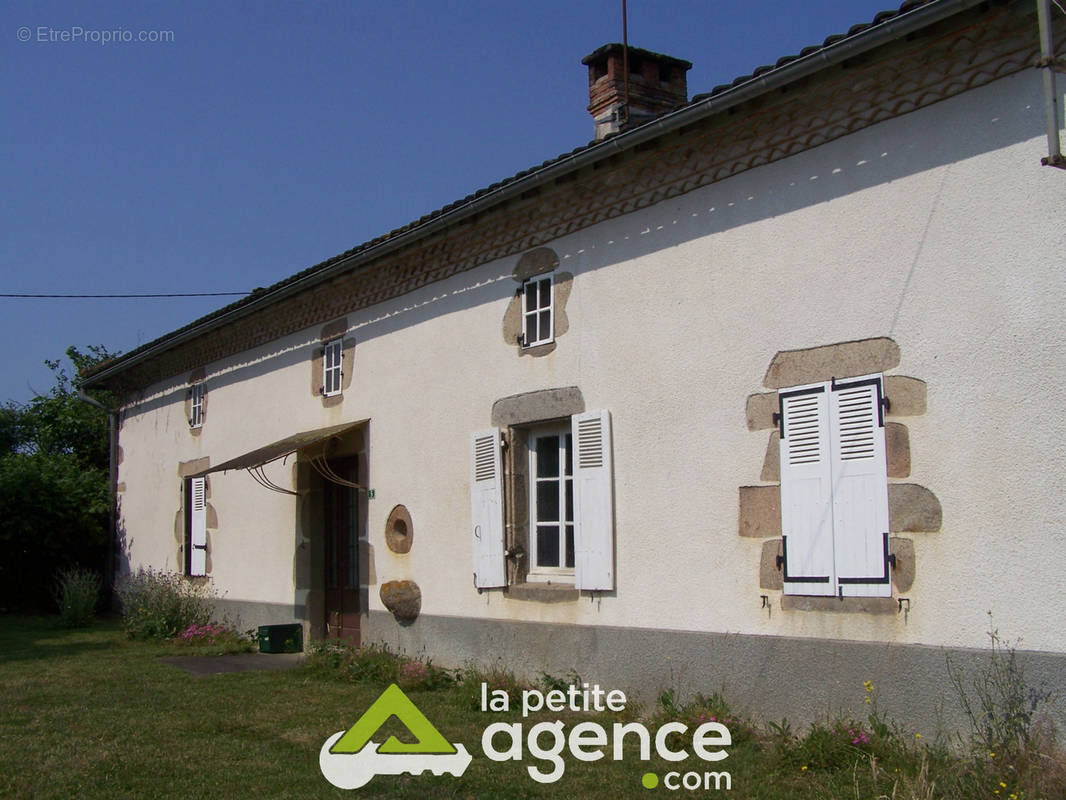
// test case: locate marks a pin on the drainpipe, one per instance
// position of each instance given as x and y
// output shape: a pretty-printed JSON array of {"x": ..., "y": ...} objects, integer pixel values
[
  {"x": 1051, "y": 99},
  {"x": 112, "y": 486}
]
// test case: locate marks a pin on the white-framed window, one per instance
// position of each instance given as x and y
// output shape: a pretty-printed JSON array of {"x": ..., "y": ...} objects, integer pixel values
[
  {"x": 538, "y": 311},
  {"x": 196, "y": 526},
  {"x": 571, "y": 504},
  {"x": 834, "y": 489},
  {"x": 332, "y": 356},
  {"x": 551, "y": 503},
  {"x": 196, "y": 415}
]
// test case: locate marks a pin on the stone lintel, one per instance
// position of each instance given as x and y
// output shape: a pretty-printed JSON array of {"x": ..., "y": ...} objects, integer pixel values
[
  {"x": 535, "y": 262},
  {"x": 189, "y": 468},
  {"x": 843, "y": 360},
  {"x": 522, "y": 409}
]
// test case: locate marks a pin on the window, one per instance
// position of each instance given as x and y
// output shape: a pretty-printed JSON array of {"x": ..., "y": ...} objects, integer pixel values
[
  {"x": 571, "y": 504},
  {"x": 537, "y": 311},
  {"x": 331, "y": 368},
  {"x": 196, "y": 393},
  {"x": 551, "y": 503},
  {"x": 834, "y": 489},
  {"x": 196, "y": 526}
]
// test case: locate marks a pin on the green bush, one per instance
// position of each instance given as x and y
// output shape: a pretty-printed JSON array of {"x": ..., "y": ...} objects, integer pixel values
[
  {"x": 375, "y": 663},
  {"x": 157, "y": 604},
  {"x": 77, "y": 593}
]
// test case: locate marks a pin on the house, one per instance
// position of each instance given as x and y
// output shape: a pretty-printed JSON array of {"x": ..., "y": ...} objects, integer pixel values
[{"x": 756, "y": 392}]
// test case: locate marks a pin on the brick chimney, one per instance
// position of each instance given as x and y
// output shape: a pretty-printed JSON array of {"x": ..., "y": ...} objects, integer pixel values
[{"x": 657, "y": 84}]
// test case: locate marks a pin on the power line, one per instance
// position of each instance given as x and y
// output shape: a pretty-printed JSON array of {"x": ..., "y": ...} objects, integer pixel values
[{"x": 124, "y": 296}]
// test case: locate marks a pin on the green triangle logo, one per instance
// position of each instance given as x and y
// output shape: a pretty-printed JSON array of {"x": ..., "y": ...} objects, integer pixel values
[{"x": 393, "y": 702}]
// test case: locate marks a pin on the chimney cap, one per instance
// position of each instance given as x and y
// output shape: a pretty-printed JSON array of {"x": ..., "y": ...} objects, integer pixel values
[{"x": 616, "y": 47}]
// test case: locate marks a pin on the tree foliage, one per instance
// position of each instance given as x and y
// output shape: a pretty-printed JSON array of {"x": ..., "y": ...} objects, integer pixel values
[{"x": 54, "y": 492}]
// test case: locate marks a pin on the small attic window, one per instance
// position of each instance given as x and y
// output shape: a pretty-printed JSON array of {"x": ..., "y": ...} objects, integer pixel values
[{"x": 331, "y": 368}]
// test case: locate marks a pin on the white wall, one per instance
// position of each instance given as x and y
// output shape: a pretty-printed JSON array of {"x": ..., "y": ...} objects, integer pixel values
[{"x": 939, "y": 229}]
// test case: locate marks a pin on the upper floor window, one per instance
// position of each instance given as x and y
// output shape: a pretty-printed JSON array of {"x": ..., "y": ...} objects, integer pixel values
[
  {"x": 196, "y": 416},
  {"x": 538, "y": 313},
  {"x": 331, "y": 368}
]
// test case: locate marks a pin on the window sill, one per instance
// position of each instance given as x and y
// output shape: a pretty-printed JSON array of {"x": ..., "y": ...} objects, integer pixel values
[
  {"x": 536, "y": 349},
  {"x": 849, "y": 605},
  {"x": 543, "y": 592}
]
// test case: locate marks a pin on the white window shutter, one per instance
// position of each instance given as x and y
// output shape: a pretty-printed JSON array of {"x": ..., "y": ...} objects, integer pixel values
[
  {"x": 198, "y": 561},
  {"x": 197, "y": 526},
  {"x": 486, "y": 509},
  {"x": 860, "y": 487},
  {"x": 593, "y": 501},
  {"x": 806, "y": 491}
]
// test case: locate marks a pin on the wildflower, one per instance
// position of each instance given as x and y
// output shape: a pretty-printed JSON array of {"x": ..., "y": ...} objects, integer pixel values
[
  {"x": 868, "y": 686},
  {"x": 868, "y": 700},
  {"x": 917, "y": 736},
  {"x": 803, "y": 768},
  {"x": 1001, "y": 783},
  {"x": 991, "y": 755}
]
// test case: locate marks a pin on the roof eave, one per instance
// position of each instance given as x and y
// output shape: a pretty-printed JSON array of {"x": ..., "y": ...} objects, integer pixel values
[{"x": 868, "y": 39}]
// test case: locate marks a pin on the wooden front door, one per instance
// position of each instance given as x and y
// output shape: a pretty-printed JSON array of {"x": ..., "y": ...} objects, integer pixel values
[{"x": 342, "y": 553}]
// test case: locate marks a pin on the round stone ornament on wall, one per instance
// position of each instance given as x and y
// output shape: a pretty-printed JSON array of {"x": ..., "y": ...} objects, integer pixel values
[{"x": 399, "y": 532}]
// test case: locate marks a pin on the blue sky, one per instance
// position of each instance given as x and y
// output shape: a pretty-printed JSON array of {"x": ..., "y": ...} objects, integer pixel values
[{"x": 265, "y": 137}]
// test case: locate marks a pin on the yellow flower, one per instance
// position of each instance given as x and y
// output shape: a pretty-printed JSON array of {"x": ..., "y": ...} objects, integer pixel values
[
  {"x": 803, "y": 768},
  {"x": 868, "y": 700},
  {"x": 868, "y": 686},
  {"x": 1001, "y": 783},
  {"x": 917, "y": 736},
  {"x": 991, "y": 755}
]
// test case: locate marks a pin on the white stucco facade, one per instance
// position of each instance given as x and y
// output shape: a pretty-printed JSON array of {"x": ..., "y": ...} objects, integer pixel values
[{"x": 938, "y": 229}]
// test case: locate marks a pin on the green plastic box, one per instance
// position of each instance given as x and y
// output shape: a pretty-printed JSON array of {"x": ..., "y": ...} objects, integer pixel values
[{"x": 281, "y": 638}]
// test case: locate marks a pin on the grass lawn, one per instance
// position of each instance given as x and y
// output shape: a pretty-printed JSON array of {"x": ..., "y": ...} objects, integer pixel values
[{"x": 89, "y": 713}]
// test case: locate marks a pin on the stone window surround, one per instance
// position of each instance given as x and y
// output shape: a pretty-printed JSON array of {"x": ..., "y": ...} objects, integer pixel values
[
  {"x": 517, "y": 415},
  {"x": 912, "y": 508},
  {"x": 539, "y": 261},
  {"x": 186, "y": 469}
]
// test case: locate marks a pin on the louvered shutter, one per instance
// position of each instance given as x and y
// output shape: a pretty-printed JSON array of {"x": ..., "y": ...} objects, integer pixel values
[
  {"x": 806, "y": 491},
  {"x": 860, "y": 487},
  {"x": 197, "y": 527},
  {"x": 593, "y": 501},
  {"x": 486, "y": 509}
]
